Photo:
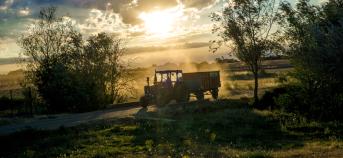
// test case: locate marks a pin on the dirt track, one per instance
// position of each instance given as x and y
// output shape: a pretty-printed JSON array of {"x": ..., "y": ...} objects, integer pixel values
[{"x": 68, "y": 120}]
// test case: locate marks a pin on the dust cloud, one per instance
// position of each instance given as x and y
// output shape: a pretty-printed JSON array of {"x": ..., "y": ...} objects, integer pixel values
[
  {"x": 6, "y": 68},
  {"x": 140, "y": 74}
]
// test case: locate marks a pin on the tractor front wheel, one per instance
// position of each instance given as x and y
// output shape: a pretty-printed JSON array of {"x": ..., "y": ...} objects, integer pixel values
[
  {"x": 144, "y": 101},
  {"x": 181, "y": 94}
]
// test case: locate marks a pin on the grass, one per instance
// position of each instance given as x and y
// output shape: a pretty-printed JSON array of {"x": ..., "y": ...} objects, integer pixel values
[
  {"x": 227, "y": 128},
  {"x": 4, "y": 122},
  {"x": 240, "y": 84}
]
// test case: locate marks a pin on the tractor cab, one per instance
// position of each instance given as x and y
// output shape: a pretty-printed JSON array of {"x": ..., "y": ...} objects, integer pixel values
[
  {"x": 167, "y": 78},
  {"x": 164, "y": 85}
]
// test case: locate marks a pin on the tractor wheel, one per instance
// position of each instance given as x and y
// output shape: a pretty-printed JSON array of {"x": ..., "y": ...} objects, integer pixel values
[
  {"x": 200, "y": 95},
  {"x": 144, "y": 101},
  {"x": 162, "y": 98},
  {"x": 181, "y": 94},
  {"x": 214, "y": 93},
  {"x": 183, "y": 98}
]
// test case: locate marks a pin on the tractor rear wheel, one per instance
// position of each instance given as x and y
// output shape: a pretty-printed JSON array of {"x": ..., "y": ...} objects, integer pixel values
[{"x": 163, "y": 97}]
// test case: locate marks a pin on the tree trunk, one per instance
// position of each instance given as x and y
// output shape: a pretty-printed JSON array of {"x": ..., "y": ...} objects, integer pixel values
[{"x": 256, "y": 88}]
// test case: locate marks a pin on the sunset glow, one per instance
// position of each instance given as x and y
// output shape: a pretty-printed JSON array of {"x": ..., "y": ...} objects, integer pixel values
[
  {"x": 160, "y": 23},
  {"x": 145, "y": 24}
]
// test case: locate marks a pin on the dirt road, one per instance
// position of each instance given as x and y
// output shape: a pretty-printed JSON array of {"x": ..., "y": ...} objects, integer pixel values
[{"x": 68, "y": 120}]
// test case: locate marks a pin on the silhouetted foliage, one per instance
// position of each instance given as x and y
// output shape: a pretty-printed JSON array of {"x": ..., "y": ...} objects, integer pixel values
[
  {"x": 268, "y": 100},
  {"x": 69, "y": 73},
  {"x": 246, "y": 26},
  {"x": 314, "y": 37}
]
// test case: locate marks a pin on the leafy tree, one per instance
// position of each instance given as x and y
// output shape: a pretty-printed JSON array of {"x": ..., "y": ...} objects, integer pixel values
[
  {"x": 246, "y": 25},
  {"x": 47, "y": 44},
  {"x": 69, "y": 73},
  {"x": 102, "y": 63},
  {"x": 314, "y": 39}
]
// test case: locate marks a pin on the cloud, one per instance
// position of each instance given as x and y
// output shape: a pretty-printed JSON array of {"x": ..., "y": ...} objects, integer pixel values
[
  {"x": 103, "y": 21},
  {"x": 116, "y": 5},
  {"x": 198, "y": 4},
  {"x": 11, "y": 28},
  {"x": 4, "y": 5},
  {"x": 150, "y": 5},
  {"x": 129, "y": 10},
  {"x": 130, "y": 16},
  {"x": 8, "y": 48},
  {"x": 24, "y": 12}
]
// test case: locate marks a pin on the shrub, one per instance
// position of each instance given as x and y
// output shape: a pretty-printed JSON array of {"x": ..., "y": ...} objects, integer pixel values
[
  {"x": 295, "y": 99},
  {"x": 268, "y": 99}
]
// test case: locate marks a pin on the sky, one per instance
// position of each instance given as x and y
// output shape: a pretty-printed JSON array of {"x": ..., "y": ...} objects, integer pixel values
[{"x": 156, "y": 31}]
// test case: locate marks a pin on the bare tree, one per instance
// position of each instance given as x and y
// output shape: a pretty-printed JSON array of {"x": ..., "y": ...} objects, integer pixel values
[{"x": 247, "y": 25}]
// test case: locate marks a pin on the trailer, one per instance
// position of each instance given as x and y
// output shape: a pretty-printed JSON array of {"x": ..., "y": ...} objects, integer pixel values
[
  {"x": 175, "y": 85},
  {"x": 200, "y": 82}
]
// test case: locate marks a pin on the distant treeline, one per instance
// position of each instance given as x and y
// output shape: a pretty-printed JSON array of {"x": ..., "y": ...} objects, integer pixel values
[{"x": 4, "y": 61}]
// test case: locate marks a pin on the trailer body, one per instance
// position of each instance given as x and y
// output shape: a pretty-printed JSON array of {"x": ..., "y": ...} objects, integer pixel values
[{"x": 201, "y": 81}]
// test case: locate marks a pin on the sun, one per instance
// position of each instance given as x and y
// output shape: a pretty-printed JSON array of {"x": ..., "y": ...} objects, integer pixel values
[{"x": 159, "y": 23}]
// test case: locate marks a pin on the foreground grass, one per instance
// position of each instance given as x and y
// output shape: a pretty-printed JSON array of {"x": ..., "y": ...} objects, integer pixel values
[{"x": 220, "y": 129}]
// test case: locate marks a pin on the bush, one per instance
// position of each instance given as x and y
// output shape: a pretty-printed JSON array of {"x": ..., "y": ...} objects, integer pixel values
[
  {"x": 4, "y": 103},
  {"x": 295, "y": 99},
  {"x": 268, "y": 99},
  {"x": 7, "y": 104}
]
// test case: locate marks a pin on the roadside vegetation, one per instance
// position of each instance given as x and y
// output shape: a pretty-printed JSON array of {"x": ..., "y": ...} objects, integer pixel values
[
  {"x": 227, "y": 128},
  {"x": 298, "y": 112},
  {"x": 314, "y": 35}
]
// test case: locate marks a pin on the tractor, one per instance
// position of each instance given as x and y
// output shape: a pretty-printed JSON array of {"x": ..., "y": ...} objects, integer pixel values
[{"x": 174, "y": 85}]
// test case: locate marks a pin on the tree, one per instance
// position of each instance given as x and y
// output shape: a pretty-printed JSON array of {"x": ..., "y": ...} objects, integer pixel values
[
  {"x": 247, "y": 25},
  {"x": 69, "y": 73},
  {"x": 314, "y": 36},
  {"x": 48, "y": 43},
  {"x": 103, "y": 64}
]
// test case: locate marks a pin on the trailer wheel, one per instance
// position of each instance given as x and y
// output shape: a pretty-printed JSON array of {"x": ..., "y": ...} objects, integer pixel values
[
  {"x": 200, "y": 95},
  {"x": 214, "y": 93}
]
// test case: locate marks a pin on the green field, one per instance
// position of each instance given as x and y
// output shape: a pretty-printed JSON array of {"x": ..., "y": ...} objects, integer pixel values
[{"x": 227, "y": 128}]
